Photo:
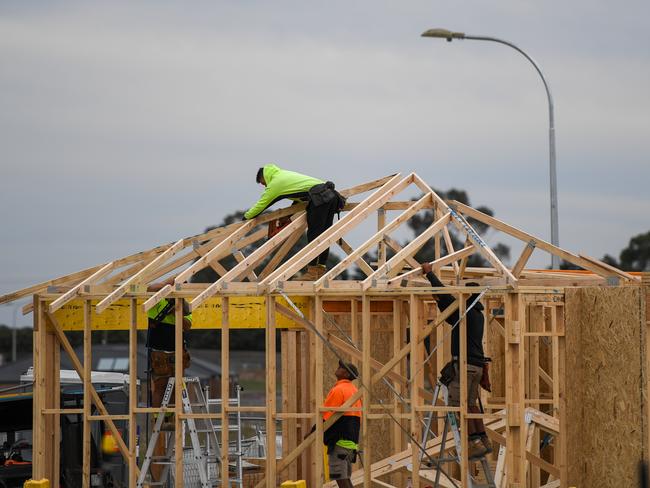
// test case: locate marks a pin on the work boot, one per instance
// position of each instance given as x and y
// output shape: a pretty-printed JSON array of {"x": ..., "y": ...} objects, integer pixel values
[{"x": 476, "y": 449}]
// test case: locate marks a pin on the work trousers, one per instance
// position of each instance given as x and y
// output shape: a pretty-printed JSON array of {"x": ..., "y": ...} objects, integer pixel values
[
  {"x": 319, "y": 219},
  {"x": 474, "y": 374}
]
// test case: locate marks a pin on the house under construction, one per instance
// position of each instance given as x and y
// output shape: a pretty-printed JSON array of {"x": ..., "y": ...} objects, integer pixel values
[{"x": 569, "y": 349}]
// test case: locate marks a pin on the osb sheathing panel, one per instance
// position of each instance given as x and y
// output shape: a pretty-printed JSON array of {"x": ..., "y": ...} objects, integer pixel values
[
  {"x": 381, "y": 350},
  {"x": 605, "y": 336}
]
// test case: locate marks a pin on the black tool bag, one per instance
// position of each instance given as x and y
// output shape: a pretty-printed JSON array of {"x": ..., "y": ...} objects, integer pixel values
[
  {"x": 324, "y": 193},
  {"x": 447, "y": 373}
]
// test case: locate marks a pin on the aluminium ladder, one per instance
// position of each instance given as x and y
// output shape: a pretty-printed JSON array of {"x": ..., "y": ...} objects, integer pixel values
[
  {"x": 451, "y": 424},
  {"x": 235, "y": 427},
  {"x": 205, "y": 461}
]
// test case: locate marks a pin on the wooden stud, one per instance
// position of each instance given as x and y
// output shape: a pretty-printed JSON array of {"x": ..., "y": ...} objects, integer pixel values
[
  {"x": 366, "y": 379},
  {"x": 271, "y": 468},
  {"x": 462, "y": 363},
  {"x": 562, "y": 453},
  {"x": 179, "y": 385},
  {"x": 40, "y": 393},
  {"x": 77, "y": 365},
  {"x": 292, "y": 399},
  {"x": 87, "y": 385},
  {"x": 318, "y": 391},
  {"x": 514, "y": 392},
  {"x": 225, "y": 388},
  {"x": 133, "y": 391},
  {"x": 416, "y": 381}
]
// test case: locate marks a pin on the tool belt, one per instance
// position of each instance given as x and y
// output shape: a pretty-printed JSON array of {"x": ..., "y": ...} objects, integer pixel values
[
  {"x": 448, "y": 373},
  {"x": 324, "y": 193},
  {"x": 162, "y": 362}
]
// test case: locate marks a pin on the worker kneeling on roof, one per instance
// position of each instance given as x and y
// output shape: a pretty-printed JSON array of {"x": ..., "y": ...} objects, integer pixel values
[
  {"x": 342, "y": 436},
  {"x": 323, "y": 201}
]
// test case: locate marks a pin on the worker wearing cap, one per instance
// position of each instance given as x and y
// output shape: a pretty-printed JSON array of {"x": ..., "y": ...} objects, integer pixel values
[
  {"x": 161, "y": 349},
  {"x": 342, "y": 436},
  {"x": 323, "y": 201},
  {"x": 161, "y": 341},
  {"x": 477, "y": 364}
]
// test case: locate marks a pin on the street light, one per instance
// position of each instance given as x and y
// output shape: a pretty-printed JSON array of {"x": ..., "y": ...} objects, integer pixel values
[{"x": 449, "y": 35}]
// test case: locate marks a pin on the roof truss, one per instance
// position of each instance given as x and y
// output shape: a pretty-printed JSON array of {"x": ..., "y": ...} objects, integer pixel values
[{"x": 260, "y": 265}]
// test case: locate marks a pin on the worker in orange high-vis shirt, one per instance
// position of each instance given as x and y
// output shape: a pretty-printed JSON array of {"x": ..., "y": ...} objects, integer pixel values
[{"x": 342, "y": 437}]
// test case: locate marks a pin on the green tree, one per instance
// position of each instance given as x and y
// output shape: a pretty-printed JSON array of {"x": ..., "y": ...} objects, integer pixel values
[{"x": 635, "y": 257}]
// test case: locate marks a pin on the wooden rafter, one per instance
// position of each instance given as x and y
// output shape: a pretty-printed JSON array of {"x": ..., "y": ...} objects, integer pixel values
[
  {"x": 589, "y": 264},
  {"x": 139, "y": 277},
  {"x": 411, "y": 248},
  {"x": 373, "y": 240},
  {"x": 436, "y": 264},
  {"x": 327, "y": 238}
]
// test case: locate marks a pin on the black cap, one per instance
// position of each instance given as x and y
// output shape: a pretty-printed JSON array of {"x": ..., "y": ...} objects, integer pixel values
[{"x": 351, "y": 369}]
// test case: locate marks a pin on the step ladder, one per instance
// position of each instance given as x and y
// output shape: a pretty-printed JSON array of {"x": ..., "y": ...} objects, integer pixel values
[
  {"x": 437, "y": 462},
  {"x": 205, "y": 452}
]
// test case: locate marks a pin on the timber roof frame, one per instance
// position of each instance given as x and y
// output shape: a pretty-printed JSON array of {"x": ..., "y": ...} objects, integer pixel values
[{"x": 253, "y": 275}]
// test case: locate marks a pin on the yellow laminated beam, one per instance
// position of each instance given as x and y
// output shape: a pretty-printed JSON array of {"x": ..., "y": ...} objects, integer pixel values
[{"x": 245, "y": 313}]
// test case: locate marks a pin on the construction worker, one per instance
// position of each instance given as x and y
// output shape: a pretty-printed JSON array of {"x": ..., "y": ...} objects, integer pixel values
[
  {"x": 477, "y": 370},
  {"x": 342, "y": 436},
  {"x": 161, "y": 349},
  {"x": 323, "y": 201},
  {"x": 161, "y": 343}
]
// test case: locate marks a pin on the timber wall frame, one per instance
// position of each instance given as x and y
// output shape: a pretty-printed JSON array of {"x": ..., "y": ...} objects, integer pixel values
[{"x": 114, "y": 295}]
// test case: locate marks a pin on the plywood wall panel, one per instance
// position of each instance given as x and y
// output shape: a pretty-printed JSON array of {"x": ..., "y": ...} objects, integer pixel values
[{"x": 605, "y": 344}]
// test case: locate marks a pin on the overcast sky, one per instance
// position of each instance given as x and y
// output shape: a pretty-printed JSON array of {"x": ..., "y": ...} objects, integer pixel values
[{"x": 124, "y": 125}]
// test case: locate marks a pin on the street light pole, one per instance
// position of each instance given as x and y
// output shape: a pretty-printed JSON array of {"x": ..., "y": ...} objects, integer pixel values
[{"x": 449, "y": 35}]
